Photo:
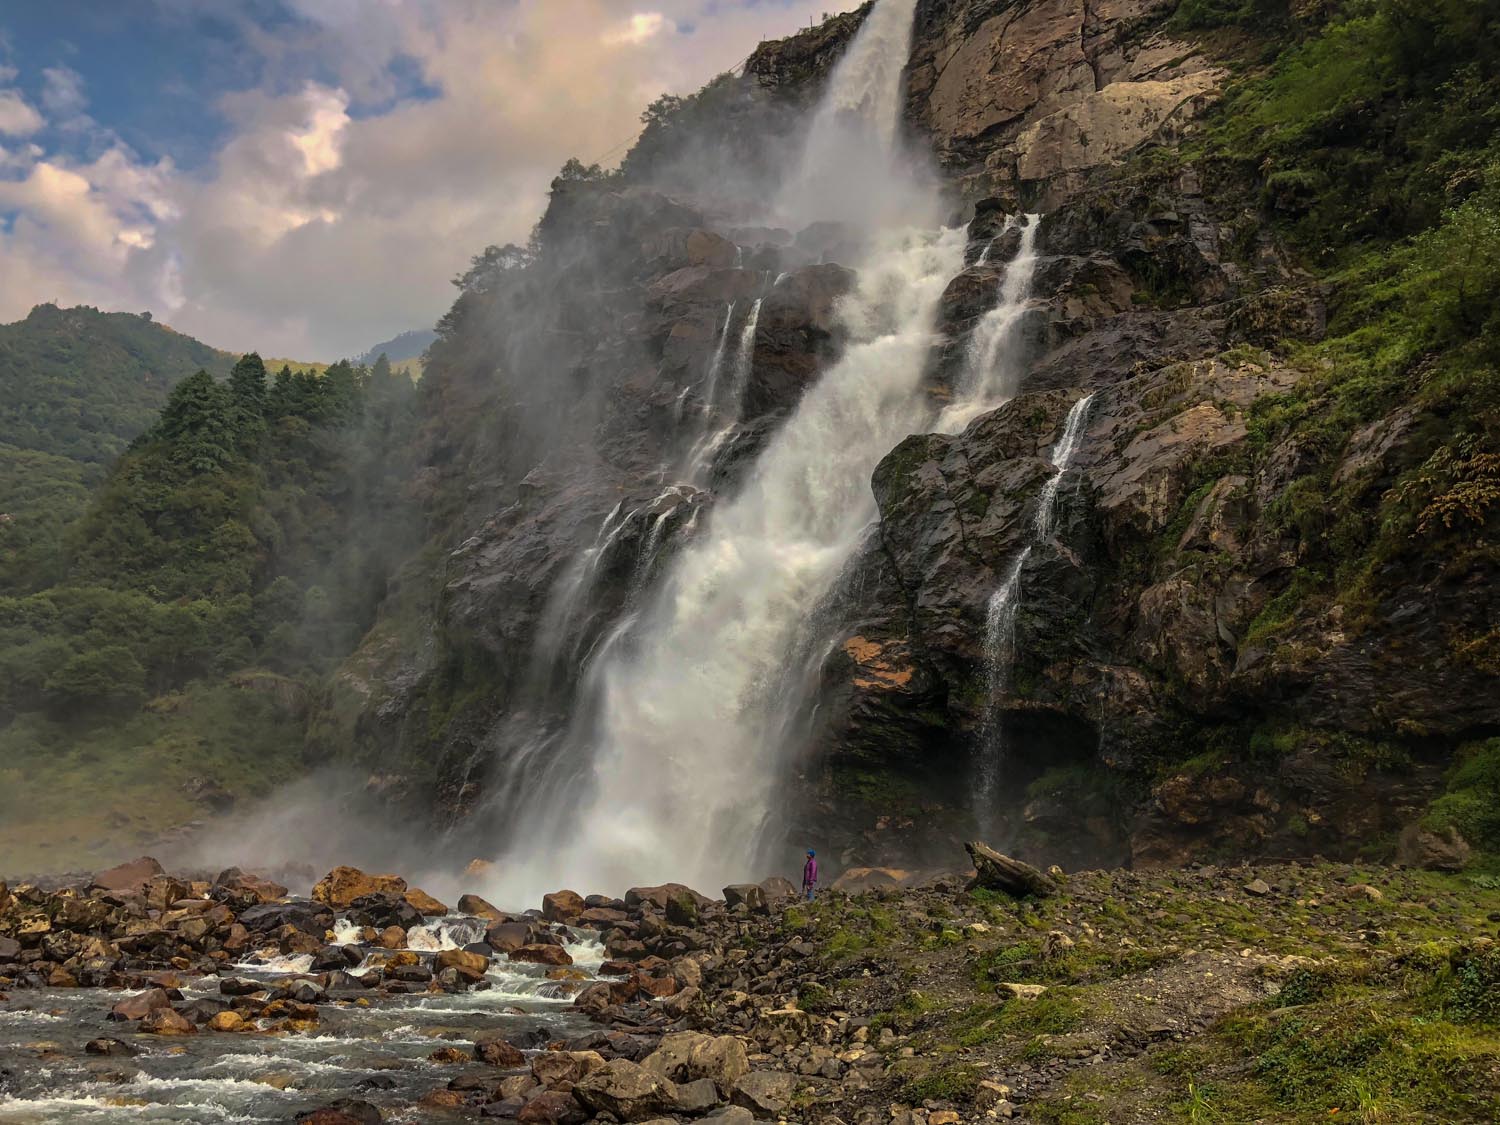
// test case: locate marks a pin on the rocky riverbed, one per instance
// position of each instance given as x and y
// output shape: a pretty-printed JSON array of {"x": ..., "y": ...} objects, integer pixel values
[{"x": 1274, "y": 993}]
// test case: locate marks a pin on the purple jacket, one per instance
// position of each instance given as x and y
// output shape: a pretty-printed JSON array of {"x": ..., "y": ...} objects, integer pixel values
[{"x": 810, "y": 872}]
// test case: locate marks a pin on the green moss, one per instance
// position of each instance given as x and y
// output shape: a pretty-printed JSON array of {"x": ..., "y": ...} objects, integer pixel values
[{"x": 1472, "y": 801}]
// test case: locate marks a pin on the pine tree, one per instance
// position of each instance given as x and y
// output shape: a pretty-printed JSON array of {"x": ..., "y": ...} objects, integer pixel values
[
  {"x": 248, "y": 398},
  {"x": 197, "y": 425}
]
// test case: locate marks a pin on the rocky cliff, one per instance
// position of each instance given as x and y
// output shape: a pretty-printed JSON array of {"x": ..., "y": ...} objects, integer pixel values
[{"x": 1217, "y": 649}]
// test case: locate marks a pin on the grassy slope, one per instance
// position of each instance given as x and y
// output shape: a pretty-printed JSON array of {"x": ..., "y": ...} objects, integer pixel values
[{"x": 1181, "y": 996}]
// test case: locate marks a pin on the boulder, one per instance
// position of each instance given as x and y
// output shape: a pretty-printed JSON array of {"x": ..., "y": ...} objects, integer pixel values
[
  {"x": 392, "y": 937},
  {"x": 627, "y": 1090},
  {"x": 129, "y": 878},
  {"x": 561, "y": 1070},
  {"x": 690, "y": 1055},
  {"x": 682, "y": 908},
  {"x": 696, "y": 1097},
  {"x": 470, "y": 966},
  {"x": 476, "y": 907},
  {"x": 141, "y": 1005},
  {"x": 997, "y": 872},
  {"x": 380, "y": 910},
  {"x": 10, "y": 949},
  {"x": 562, "y": 906},
  {"x": 493, "y": 1048},
  {"x": 341, "y": 886},
  {"x": 345, "y": 1111},
  {"x": 506, "y": 936},
  {"x": 165, "y": 1021},
  {"x": 424, "y": 903},
  {"x": 551, "y": 1107},
  {"x": 107, "y": 1046},
  {"x": 732, "y": 1115},
  {"x": 246, "y": 887},
  {"x": 1432, "y": 850},
  {"x": 749, "y": 895},
  {"x": 542, "y": 955},
  {"x": 778, "y": 888},
  {"x": 857, "y": 880},
  {"x": 227, "y": 1021},
  {"x": 309, "y": 917},
  {"x": 765, "y": 1093}
]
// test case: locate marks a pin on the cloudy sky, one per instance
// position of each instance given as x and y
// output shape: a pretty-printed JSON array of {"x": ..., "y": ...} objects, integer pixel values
[{"x": 303, "y": 177}]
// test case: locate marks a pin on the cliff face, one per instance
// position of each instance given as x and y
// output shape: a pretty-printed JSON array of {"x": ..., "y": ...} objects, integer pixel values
[{"x": 1175, "y": 690}]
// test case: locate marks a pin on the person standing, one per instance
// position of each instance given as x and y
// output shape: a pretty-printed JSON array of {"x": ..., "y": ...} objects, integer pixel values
[{"x": 810, "y": 874}]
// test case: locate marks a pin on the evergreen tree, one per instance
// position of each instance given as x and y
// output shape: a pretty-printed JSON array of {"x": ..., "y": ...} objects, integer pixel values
[
  {"x": 249, "y": 398},
  {"x": 196, "y": 423}
]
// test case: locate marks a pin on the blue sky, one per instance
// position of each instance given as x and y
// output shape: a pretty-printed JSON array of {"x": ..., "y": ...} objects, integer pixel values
[{"x": 304, "y": 176}]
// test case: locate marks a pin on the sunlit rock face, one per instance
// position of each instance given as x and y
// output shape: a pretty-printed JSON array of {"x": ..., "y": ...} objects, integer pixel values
[{"x": 1026, "y": 98}]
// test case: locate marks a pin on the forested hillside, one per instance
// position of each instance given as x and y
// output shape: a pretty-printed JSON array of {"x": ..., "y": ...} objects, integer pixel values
[
  {"x": 234, "y": 552},
  {"x": 76, "y": 387}
]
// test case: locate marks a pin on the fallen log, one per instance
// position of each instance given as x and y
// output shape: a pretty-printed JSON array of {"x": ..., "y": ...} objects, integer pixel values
[{"x": 998, "y": 872}]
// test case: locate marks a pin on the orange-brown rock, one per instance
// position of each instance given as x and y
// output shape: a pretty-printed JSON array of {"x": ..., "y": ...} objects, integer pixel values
[
  {"x": 542, "y": 955},
  {"x": 476, "y": 907},
  {"x": 129, "y": 878},
  {"x": 423, "y": 903},
  {"x": 562, "y": 906},
  {"x": 165, "y": 1021},
  {"x": 341, "y": 886}
]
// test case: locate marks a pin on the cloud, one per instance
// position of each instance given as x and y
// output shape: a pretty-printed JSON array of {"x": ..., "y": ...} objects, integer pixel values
[
  {"x": 343, "y": 200},
  {"x": 639, "y": 28},
  {"x": 17, "y": 117}
]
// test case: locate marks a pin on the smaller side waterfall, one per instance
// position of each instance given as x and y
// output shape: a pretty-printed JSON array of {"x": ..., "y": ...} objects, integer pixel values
[
  {"x": 999, "y": 659},
  {"x": 1061, "y": 457},
  {"x": 744, "y": 354},
  {"x": 992, "y": 367},
  {"x": 1000, "y": 620},
  {"x": 716, "y": 364}
]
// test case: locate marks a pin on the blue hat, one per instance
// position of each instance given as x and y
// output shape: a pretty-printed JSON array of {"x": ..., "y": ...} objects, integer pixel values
[{"x": 811, "y": 852}]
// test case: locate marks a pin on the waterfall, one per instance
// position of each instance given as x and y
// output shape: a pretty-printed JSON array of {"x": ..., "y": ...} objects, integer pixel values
[
  {"x": 1000, "y": 621},
  {"x": 999, "y": 659},
  {"x": 743, "y": 356},
  {"x": 853, "y": 169},
  {"x": 992, "y": 364},
  {"x": 679, "y": 730},
  {"x": 1061, "y": 457},
  {"x": 716, "y": 363}
]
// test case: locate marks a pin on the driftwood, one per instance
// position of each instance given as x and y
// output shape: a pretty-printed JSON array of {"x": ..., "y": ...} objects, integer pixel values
[{"x": 1001, "y": 873}]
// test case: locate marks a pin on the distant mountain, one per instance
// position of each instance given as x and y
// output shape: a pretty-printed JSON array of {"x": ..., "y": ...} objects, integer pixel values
[{"x": 408, "y": 345}]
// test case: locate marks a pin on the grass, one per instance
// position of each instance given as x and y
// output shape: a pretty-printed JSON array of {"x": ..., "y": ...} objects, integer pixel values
[{"x": 79, "y": 798}]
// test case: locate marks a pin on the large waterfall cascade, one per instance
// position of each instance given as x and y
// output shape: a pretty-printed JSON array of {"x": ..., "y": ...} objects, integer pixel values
[{"x": 681, "y": 710}]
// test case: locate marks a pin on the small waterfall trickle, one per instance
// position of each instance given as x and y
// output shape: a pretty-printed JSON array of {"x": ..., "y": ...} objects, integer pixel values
[
  {"x": 716, "y": 363},
  {"x": 999, "y": 659},
  {"x": 743, "y": 357},
  {"x": 1061, "y": 457},
  {"x": 1000, "y": 622}
]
